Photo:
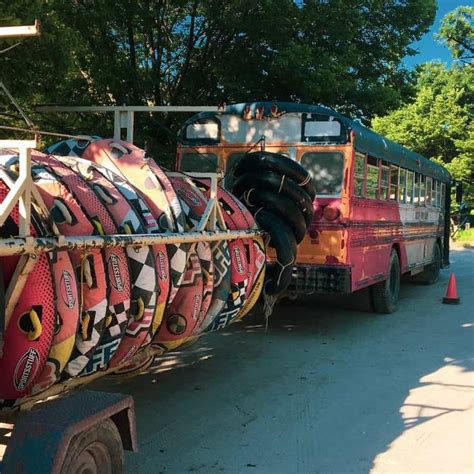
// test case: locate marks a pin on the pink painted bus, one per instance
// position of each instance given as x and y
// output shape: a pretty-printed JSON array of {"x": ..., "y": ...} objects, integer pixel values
[{"x": 380, "y": 212}]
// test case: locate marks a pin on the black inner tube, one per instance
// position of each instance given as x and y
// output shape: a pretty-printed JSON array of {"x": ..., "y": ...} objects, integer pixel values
[
  {"x": 280, "y": 205},
  {"x": 264, "y": 160},
  {"x": 282, "y": 238},
  {"x": 277, "y": 184},
  {"x": 277, "y": 278},
  {"x": 283, "y": 241}
]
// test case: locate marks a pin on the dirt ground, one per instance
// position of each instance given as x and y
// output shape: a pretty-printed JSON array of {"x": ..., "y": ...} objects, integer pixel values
[{"x": 329, "y": 387}]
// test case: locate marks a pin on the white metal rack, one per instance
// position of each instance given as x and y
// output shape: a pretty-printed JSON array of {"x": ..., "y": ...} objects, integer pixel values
[
  {"x": 124, "y": 115},
  {"x": 24, "y": 193}
]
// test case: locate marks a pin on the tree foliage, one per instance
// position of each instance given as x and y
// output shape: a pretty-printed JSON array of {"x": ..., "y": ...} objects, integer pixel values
[
  {"x": 457, "y": 32},
  {"x": 438, "y": 122},
  {"x": 343, "y": 53}
]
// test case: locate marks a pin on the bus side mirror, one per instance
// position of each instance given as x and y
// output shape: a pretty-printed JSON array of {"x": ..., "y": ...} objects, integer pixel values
[{"x": 458, "y": 192}]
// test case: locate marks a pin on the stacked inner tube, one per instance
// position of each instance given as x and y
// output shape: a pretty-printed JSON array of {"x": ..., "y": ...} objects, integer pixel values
[
  {"x": 112, "y": 310},
  {"x": 279, "y": 193}
]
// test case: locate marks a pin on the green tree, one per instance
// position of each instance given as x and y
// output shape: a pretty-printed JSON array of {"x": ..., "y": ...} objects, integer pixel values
[
  {"x": 438, "y": 123},
  {"x": 343, "y": 53},
  {"x": 457, "y": 32}
]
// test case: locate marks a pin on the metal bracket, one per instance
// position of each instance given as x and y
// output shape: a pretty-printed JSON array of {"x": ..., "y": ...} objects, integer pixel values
[
  {"x": 212, "y": 215},
  {"x": 21, "y": 191}
]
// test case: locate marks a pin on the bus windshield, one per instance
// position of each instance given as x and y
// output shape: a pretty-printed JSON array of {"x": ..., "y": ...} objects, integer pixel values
[{"x": 326, "y": 169}]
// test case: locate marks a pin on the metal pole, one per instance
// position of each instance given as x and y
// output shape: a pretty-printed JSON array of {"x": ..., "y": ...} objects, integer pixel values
[
  {"x": 24, "y": 204},
  {"x": 20, "y": 31},
  {"x": 127, "y": 108},
  {"x": 124, "y": 114},
  {"x": 21, "y": 245},
  {"x": 130, "y": 125},
  {"x": 117, "y": 127}
]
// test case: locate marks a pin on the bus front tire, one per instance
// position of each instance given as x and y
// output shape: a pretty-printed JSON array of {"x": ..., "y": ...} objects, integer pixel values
[{"x": 386, "y": 293}]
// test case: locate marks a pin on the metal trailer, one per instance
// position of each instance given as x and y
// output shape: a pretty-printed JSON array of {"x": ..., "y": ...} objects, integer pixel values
[
  {"x": 59, "y": 430},
  {"x": 86, "y": 431}
]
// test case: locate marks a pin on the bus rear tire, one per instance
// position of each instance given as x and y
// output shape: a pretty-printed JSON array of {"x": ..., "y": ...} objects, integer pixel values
[
  {"x": 385, "y": 294},
  {"x": 430, "y": 273}
]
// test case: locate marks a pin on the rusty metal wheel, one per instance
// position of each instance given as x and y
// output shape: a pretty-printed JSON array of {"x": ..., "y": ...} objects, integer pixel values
[{"x": 98, "y": 450}]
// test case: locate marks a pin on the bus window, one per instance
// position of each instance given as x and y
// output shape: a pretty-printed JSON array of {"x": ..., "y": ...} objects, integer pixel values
[
  {"x": 429, "y": 184},
  {"x": 359, "y": 174},
  {"x": 422, "y": 190},
  {"x": 410, "y": 184},
  {"x": 435, "y": 193},
  {"x": 416, "y": 190},
  {"x": 438, "y": 194},
  {"x": 204, "y": 131},
  {"x": 202, "y": 162},
  {"x": 323, "y": 129},
  {"x": 443, "y": 195},
  {"x": 372, "y": 187},
  {"x": 402, "y": 189},
  {"x": 384, "y": 180},
  {"x": 393, "y": 182},
  {"x": 326, "y": 169}
]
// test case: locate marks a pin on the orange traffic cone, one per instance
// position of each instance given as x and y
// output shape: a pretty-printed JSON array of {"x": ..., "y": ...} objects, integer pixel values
[{"x": 451, "y": 294}]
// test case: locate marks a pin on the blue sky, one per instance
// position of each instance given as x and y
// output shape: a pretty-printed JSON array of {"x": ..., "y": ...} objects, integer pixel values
[{"x": 429, "y": 49}]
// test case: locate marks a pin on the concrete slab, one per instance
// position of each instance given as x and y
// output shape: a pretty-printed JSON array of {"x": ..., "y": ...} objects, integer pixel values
[{"x": 328, "y": 388}]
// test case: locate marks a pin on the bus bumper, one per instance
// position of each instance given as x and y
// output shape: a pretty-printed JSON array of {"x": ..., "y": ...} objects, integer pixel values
[{"x": 320, "y": 279}]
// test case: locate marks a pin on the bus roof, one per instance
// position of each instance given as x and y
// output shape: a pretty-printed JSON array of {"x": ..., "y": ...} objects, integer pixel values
[{"x": 366, "y": 140}]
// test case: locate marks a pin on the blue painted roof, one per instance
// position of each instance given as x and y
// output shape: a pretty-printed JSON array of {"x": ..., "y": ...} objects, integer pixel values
[{"x": 366, "y": 140}]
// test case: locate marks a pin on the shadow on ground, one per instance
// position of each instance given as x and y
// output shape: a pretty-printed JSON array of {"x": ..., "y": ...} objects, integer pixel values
[{"x": 326, "y": 388}]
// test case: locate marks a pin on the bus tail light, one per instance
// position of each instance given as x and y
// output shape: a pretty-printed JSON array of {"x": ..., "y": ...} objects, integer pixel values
[
  {"x": 260, "y": 112},
  {"x": 331, "y": 213},
  {"x": 317, "y": 213},
  {"x": 313, "y": 233}
]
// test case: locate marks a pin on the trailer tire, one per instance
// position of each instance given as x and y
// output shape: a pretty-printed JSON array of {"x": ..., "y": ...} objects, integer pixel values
[
  {"x": 385, "y": 294},
  {"x": 98, "y": 450}
]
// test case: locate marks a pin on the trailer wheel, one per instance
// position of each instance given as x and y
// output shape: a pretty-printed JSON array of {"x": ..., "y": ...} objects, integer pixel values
[
  {"x": 430, "y": 273},
  {"x": 386, "y": 293},
  {"x": 98, "y": 450}
]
